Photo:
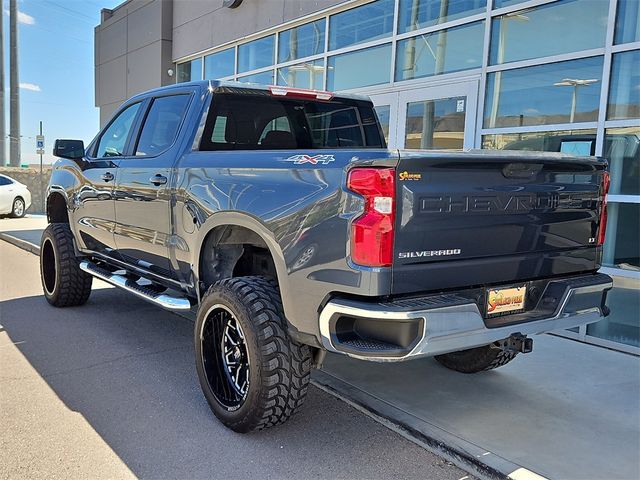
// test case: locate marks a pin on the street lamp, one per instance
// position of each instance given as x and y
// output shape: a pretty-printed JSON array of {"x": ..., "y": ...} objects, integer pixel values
[{"x": 575, "y": 83}]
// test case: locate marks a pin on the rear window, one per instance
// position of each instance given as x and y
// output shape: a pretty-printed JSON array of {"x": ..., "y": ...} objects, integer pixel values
[{"x": 261, "y": 122}]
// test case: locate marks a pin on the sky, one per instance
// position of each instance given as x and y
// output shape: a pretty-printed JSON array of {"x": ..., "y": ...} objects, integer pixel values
[{"x": 55, "y": 40}]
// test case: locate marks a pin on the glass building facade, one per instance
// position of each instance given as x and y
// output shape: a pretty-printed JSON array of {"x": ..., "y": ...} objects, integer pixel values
[{"x": 547, "y": 75}]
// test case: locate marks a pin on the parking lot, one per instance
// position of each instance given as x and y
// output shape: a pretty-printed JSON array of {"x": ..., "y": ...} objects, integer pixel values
[{"x": 109, "y": 390}]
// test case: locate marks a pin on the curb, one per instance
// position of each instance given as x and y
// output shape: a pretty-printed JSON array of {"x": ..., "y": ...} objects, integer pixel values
[
  {"x": 18, "y": 242},
  {"x": 465, "y": 455}
]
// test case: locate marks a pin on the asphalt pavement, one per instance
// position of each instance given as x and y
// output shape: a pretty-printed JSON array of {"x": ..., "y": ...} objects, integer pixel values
[{"x": 109, "y": 390}]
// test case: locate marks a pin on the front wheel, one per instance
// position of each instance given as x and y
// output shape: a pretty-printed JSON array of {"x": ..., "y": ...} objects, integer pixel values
[
  {"x": 64, "y": 284},
  {"x": 251, "y": 373},
  {"x": 477, "y": 359}
]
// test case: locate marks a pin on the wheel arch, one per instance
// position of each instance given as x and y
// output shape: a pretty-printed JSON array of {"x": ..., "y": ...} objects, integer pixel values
[
  {"x": 57, "y": 210},
  {"x": 245, "y": 227}
]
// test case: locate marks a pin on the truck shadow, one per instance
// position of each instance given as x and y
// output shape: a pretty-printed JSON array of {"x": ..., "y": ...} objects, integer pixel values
[{"x": 127, "y": 367}]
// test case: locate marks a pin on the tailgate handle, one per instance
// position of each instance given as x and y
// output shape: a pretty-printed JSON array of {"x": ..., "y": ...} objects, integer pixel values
[{"x": 521, "y": 170}]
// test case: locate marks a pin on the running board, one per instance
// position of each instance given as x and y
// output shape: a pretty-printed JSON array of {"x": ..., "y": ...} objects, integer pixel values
[{"x": 165, "y": 301}]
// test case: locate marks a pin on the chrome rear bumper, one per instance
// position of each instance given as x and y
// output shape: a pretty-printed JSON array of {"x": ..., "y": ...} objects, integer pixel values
[{"x": 448, "y": 323}]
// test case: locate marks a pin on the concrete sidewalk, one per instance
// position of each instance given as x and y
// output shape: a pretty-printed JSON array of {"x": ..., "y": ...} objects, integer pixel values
[{"x": 568, "y": 410}]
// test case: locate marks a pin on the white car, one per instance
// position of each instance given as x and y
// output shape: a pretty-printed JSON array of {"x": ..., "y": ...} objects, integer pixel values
[{"x": 15, "y": 197}]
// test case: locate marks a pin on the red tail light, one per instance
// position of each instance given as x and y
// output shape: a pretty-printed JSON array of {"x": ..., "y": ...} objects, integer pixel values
[
  {"x": 606, "y": 180},
  {"x": 372, "y": 232}
]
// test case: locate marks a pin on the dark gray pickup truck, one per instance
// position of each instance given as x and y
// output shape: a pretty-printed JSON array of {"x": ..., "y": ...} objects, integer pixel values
[{"x": 280, "y": 216}]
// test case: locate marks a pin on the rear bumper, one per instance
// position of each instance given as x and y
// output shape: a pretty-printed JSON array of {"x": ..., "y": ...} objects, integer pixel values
[{"x": 436, "y": 324}]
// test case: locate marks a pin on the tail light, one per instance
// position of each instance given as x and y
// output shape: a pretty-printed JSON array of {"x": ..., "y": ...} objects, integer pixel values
[
  {"x": 372, "y": 232},
  {"x": 604, "y": 190}
]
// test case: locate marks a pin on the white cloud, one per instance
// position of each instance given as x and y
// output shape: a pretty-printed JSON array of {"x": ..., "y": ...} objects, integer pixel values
[
  {"x": 30, "y": 86},
  {"x": 23, "y": 18}
]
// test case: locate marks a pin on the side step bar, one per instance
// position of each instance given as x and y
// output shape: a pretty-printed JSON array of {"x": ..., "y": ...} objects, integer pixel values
[{"x": 165, "y": 301}]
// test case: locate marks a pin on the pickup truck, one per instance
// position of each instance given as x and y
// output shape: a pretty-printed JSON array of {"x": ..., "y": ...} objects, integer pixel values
[{"x": 279, "y": 217}]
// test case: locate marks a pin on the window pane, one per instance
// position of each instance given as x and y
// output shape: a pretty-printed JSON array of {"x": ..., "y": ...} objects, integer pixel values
[
  {"x": 189, "y": 71},
  {"x": 264, "y": 78},
  {"x": 219, "y": 64},
  {"x": 624, "y": 91},
  {"x": 622, "y": 244},
  {"x": 114, "y": 138},
  {"x": 552, "y": 29},
  {"x": 623, "y": 324},
  {"x": 622, "y": 148},
  {"x": 346, "y": 70},
  {"x": 256, "y": 54},
  {"x": 258, "y": 122},
  {"x": 161, "y": 125},
  {"x": 415, "y": 14},
  {"x": 302, "y": 41},
  {"x": 436, "y": 124},
  {"x": 361, "y": 24},
  {"x": 506, "y": 3},
  {"x": 563, "y": 92},
  {"x": 628, "y": 21},
  {"x": 444, "y": 51},
  {"x": 580, "y": 142},
  {"x": 303, "y": 75},
  {"x": 384, "y": 116}
]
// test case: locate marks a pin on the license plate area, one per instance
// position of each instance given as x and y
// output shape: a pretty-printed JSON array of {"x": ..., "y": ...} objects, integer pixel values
[{"x": 505, "y": 301}]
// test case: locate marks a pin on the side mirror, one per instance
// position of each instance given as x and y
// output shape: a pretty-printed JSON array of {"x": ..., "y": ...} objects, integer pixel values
[{"x": 71, "y": 149}]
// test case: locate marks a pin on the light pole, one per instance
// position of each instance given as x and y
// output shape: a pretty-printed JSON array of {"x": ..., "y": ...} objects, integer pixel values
[{"x": 575, "y": 83}]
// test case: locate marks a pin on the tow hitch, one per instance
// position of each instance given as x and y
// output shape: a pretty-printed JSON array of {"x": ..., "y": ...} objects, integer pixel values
[{"x": 517, "y": 343}]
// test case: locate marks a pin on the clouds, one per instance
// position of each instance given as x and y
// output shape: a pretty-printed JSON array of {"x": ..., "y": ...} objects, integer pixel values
[
  {"x": 30, "y": 86},
  {"x": 23, "y": 18}
]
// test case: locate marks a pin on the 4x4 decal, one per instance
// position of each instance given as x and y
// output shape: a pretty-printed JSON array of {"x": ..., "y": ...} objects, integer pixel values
[{"x": 312, "y": 159}]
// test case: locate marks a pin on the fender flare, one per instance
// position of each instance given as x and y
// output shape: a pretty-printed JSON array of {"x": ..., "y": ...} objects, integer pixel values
[{"x": 254, "y": 224}]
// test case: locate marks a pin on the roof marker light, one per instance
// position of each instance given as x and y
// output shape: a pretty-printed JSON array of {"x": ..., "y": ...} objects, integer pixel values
[{"x": 300, "y": 93}]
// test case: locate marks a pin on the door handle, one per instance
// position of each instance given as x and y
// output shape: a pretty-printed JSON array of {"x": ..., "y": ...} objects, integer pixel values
[
  {"x": 107, "y": 177},
  {"x": 158, "y": 180}
]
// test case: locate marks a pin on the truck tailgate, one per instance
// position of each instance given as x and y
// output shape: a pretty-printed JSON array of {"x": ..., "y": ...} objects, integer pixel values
[{"x": 479, "y": 218}]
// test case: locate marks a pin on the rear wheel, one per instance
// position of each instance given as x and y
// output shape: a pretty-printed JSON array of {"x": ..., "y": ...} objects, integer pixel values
[
  {"x": 477, "y": 359},
  {"x": 251, "y": 373},
  {"x": 18, "y": 210},
  {"x": 64, "y": 284}
]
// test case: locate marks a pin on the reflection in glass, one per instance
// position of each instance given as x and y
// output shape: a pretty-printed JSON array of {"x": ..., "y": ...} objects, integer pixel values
[
  {"x": 505, "y": 3},
  {"x": 552, "y": 29},
  {"x": 436, "y": 124},
  {"x": 627, "y": 21},
  {"x": 219, "y": 65},
  {"x": 568, "y": 141},
  {"x": 622, "y": 244},
  {"x": 560, "y": 92},
  {"x": 353, "y": 69},
  {"x": 624, "y": 90},
  {"x": 623, "y": 324},
  {"x": 622, "y": 149},
  {"x": 302, "y": 41},
  {"x": 384, "y": 115},
  {"x": 263, "y": 78},
  {"x": 449, "y": 50},
  {"x": 302, "y": 75},
  {"x": 256, "y": 54},
  {"x": 362, "y": 24},
  {"x": 189, "y": 71},
  {"x": 416, "y": 14}
]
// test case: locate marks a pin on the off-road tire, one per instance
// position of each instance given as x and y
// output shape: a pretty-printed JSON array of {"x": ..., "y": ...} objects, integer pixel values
[
  {"x": 16, "y": 212},
  {"x": 63, "y": 283},
  {"x": 476, "y": 360},
  {"x": 279, "y": 368}
]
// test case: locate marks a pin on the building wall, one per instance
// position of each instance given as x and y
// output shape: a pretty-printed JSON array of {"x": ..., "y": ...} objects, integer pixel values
[
  {"x": 31, "y": 178},
  {"x": 133, "y": 46},
  {"x": 202, "y": 24}
]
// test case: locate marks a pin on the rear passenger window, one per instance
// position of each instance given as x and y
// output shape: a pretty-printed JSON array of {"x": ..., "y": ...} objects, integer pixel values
[{"x": 161, "y": 125}]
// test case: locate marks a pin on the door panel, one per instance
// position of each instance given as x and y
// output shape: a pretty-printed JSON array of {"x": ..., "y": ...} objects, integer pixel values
[{"x": 143, "y": 194}]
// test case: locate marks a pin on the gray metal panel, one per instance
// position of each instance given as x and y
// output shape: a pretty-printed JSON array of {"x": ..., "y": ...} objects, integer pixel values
[
  {"x": 113, "y": 81},
  {"x": 193, "y": 36},
  {"x": 111, "y": 41},
  {"x": 144, "y": 26},
  {"x": 300, "y": 8},
  {"x": 144, "y": 69}
]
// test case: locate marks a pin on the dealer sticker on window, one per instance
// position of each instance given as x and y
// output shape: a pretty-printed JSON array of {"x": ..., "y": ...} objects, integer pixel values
[{"x": 503, "y": 300}]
